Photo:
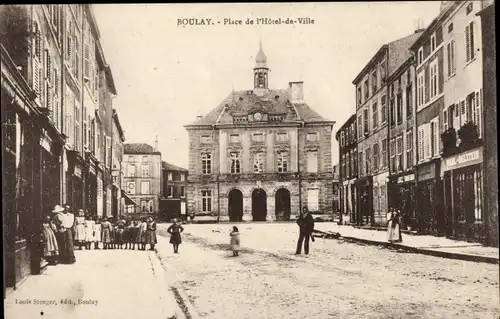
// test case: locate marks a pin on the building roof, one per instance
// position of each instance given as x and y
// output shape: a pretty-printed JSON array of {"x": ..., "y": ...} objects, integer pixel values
[
  {"x": 139, "y": 148},
  {"x": 444, "y": 12},
  {"x": 398, "y": 53},
  {"x": 349, "y": 121},
  {"x": 170, "y": 167},
  {"x": 271, "y": 102}
]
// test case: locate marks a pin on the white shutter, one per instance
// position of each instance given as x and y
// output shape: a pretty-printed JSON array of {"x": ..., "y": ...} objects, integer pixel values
[
  {"x": 478, "y": 111},
  {"x": 456, "y": 117},
  {"x": 463, "y": 113},
  {"x": 436, "y": 138},
  {"x": 445, "y": 119},
  {"x": 427, "y": 141}
]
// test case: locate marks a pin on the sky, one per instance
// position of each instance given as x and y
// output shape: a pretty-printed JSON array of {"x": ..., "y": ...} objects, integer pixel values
[{"x": 166, "y": 74}]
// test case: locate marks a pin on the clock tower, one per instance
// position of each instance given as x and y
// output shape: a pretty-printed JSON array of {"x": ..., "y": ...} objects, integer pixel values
[{"x": 260, "y": 71}]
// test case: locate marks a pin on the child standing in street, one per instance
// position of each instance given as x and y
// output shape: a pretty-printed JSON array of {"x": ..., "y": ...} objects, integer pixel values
[
  {"x": 175, "y": 231},
  {"x": 97, "y": 232},
  {"x": 235, "y": 241},
  {"x": 51, "y": 249}
]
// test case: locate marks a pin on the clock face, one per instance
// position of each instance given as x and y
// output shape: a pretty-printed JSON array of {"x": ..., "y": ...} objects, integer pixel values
[
  {"x": 257, "y": 116},
  {"x": 131, "y": 185}
]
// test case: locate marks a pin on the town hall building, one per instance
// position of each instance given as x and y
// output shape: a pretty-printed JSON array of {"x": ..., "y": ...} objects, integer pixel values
[{"x": 260, "y": 155}]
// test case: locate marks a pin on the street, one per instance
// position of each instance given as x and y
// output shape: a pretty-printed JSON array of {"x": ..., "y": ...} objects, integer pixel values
[{"x": 337, "y": 280}]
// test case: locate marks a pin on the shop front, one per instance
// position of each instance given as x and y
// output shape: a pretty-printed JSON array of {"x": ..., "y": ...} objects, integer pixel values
[
  {"x": 429, "y": 199},
  {"x": 75, "y": 180},
  {"x": 403, "y": 196},
  {"x": 91, "y": 185},
  {"x": 463, "y": 194},
  {"x": 364, "y": 201}
]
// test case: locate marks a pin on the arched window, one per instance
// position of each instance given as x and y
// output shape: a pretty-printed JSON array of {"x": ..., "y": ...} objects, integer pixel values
[{"x": 150, "y": 206}]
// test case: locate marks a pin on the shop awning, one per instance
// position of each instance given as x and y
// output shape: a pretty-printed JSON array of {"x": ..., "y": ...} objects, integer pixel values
[{"x": 128, "y": 200}]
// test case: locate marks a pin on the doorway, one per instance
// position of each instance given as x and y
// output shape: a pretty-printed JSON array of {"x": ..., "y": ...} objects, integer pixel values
[
  {"x": 235, "y": 205},
  {"x": 282, "y": 204},
  {"x": 259, "y": 205}
]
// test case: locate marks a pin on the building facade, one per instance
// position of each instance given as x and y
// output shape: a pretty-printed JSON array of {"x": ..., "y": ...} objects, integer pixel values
[
  {"x": 462, "y": 165},
  {"x": 490, "y": 182},
  {"x": 348, "y": 170},
  {"x": 118, "y": 200},
  {"x": 49, "y": 141},
  {"x": 336, "y": 193},
  {"x": 260, "y": 155},
  {"x": 173, "y": 203},
  {"x": 373, "y": 99},
  {"x": 402, "y": 138},
  {"x": 142, "y": 178}
]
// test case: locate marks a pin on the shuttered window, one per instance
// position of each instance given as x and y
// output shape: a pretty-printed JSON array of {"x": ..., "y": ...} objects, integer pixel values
[
  {"x": 469, "y": 42},
  {"x": 421, "y": 139},
  {"x": 478, "y": 112}
]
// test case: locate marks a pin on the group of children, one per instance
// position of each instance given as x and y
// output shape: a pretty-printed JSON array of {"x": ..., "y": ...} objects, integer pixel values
[
  {"x": 121, "y": 234},
  {"x": 90, "y": 231}
]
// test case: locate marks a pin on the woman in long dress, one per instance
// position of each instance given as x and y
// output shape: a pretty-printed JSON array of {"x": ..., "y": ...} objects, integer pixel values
[
  {"x": 89, "y": 231},
  {"x": 235, "y": 241},
  {"x": 175, "y": 231},
  {"x": 142, "y": 233},
  {"x": 50, "y": 248},
  {"x": 151, "y": 233},
  {"x": 80, "y": 229},
  {"x": 393, "y": 227},
  {"x": 106, "y": 234},
  {"x": 68, "y": 226}
]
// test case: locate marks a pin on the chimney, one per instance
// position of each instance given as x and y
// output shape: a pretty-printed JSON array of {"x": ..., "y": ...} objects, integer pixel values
[
  {"x": 156, "y": 144},
  {"x": 198, "y": 117},
  {"x": 296, "y": 91}
]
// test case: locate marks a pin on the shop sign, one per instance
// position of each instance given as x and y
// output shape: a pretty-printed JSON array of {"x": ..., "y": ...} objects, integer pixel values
[
  {"x": 406, "y": 178},
  {"x": 465, "y": 159},
  {"x": 78, "y": 171}
]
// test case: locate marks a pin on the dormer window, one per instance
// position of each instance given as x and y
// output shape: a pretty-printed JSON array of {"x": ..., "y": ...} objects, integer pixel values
[{"x": 277, "y": 97}]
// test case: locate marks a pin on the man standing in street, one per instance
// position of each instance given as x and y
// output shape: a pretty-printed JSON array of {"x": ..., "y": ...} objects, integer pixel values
[{"x": 306, "y": 226}]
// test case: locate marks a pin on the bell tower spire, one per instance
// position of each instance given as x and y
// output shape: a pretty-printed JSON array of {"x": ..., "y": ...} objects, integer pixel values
[{"x": 260, "y": 71}]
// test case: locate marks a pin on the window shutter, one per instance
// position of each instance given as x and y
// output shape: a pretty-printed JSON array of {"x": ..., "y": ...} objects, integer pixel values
[
  {"x": 478, "y": 111},
  {"x": 445, "y": 119},
  {"x": 86, "y": 54},
  {"x": 471, "y": 39},
  {"x": 436, "y": 138},
  {"x": 448, "y": 49},
  {"x": 453, "y": 67},
  {"x": 467, "y": 44},
  {"x": 427, "y": 140},
  {"x": 36, "y": 76}
]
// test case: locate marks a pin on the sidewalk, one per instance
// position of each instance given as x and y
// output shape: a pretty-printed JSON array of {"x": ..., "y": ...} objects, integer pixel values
[
  {"x": 101, "y": 284},
  {"x": 429, "y": 245}
]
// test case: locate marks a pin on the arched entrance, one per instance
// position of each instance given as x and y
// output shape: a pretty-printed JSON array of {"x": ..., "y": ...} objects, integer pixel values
[
  {"x": 259, "y": 205},
  {"x": 282, "y": 204},
  {"x": 235, "y": 205}
]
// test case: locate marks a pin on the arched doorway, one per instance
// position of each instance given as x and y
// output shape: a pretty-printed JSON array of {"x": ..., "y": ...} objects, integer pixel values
[
  {"x": 282, "y": 204},
  {"x": 235, "y": 205},
  {"x": 259, "y": 205}
]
